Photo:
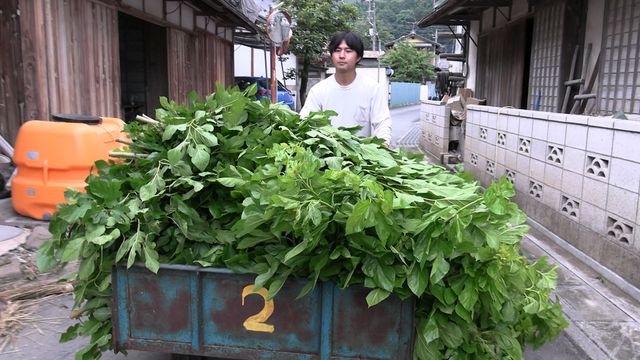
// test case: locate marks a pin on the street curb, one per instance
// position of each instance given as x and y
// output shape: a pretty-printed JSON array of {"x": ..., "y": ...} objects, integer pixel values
[{"x": 609, "y": 275}]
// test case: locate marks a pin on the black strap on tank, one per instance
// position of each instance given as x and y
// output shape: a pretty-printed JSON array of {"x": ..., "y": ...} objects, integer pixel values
[{"x": 76, "y": 118}]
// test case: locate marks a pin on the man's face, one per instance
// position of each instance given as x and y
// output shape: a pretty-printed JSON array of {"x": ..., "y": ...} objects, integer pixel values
[{"x": 344, "y": 58}]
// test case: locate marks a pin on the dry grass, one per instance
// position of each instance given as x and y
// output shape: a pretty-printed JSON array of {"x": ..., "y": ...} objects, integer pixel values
[{"x": 17, "y": 306}]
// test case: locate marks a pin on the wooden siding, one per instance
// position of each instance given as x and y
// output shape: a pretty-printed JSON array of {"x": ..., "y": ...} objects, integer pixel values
[
  {"x": 501, "y": 61},
  {"x": 196, "y": 61},
  {"x": 11, "y": 88},
  {"x": 620, "y": 72},
  {"x": 71, "y": 51}
]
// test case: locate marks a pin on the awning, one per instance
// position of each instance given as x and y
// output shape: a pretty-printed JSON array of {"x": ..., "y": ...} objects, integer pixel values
[
  {"x": 229, "y": 13},
  {"x": 459, "y": 12}
]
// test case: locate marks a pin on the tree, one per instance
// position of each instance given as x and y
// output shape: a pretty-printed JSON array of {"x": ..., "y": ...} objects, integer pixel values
[
  {"x": 409, "y": 63},
  {"x": 316, "y": 21}
]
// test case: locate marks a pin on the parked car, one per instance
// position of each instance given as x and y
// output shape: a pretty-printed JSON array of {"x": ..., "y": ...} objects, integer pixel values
[{"x": 264, "y": 89}]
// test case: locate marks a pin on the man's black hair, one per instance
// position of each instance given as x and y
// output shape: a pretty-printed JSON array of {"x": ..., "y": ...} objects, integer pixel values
[{"x": 352, "y": 40}]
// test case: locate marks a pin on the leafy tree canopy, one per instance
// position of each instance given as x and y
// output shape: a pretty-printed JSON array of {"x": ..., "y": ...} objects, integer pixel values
[{"x": 409, "y": 63}]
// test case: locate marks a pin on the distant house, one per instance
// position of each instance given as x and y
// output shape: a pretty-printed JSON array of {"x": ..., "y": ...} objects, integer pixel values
[
  {"x": 418, "y": 41},
  {"x": 111, "y": 57}
]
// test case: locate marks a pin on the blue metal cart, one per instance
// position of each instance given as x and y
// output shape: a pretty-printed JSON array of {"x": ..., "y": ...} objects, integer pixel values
[{"x": 199, "y": 311}]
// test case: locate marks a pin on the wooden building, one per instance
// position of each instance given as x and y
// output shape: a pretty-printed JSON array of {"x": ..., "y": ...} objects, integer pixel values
[
  {"x": 520, "y": 53},
  {"x": 111, "y": 57}
]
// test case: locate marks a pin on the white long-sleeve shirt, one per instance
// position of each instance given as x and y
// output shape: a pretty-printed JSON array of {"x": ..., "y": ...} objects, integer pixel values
[{"x": 363, "y": 102}]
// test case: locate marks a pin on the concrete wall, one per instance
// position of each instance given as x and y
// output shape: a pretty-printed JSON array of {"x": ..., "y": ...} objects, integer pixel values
[
  {"x": 579, "y": 176},
  {"x": 434, "y": 130}
]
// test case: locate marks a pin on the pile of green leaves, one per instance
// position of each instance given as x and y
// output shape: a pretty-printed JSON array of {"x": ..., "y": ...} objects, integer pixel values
[{"x": 231, "y": 182}]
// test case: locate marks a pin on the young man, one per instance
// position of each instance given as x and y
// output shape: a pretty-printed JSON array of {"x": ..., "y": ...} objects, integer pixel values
[{"x": 357, "y": 99}]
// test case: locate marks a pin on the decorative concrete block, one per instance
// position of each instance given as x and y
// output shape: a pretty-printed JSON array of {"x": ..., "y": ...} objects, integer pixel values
[
  {"x": 625, "y": 174},
  {"x": 536, "y": 170},
  {"x": 522, "y": 164},
  {"x": 524, "y": 145},
  {"x": 551, "y": 197},
  {"x": 553, "y": 176},
  {"x": 511, "y": 160},
  {"x": 572, "y": 184},
  {"x": 623, "y": 203},
  {"x": 540, "y": 129},
  {"x": 536, "y": 190},
  {"x": 597, "y": 166},
  {"x": 555, "y": 154},
  {"x": 626, "y": 145},
  {"x": 539, "y": 149},
  {"x": 620, "y": 230},
  {"x": 513, "y": 124},
  {"x": 501, "y": 139},
  {"x": 593, "y": 217},
  {"x": 490, "y": 167},
  {"x": 490, "y": 151},
  {"x": 526, "y": 127},
  {"x": 556, "y": 132},
  {"x": 473, "y": 159},
  {"x": 574, "y": 160},
  {"x": 595, "y": 192},
  {"x": 570, "y": 207},
  {"x": 600, "y": 140},
  {"x": 482, "y": 134},
  {"x": 576, "y": 136}
]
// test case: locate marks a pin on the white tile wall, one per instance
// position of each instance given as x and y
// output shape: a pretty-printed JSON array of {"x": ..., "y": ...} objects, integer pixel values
[
  {"x": 522, "y": 164},
  {"x": 540, "y": 128},
  {"x": 617, "y": 194},
  {"x": 576, "y": 136},
  {"x": 595, "y": 192},
  {"x": 593, "y": 217},
  {"x": 512, "y": 142},
  {"x": 553, "y": 175},
  {"x": 574, "y": 160},
  {"x": 536, "y": 170},
  {"x": 600, "y": 140},
  {"x": 538, "y": 149},
  {"x": 626, "y": 145},
  {"x": 572, "y": 184},
  {"x": 624, "y": 174},
  {"x": 513, "y": 124},
  {"x": 556, "y": 132},
  {"x": 522, "y": 183},
  {"x": 623, "y": 203},
  {"x": 526, "y": 127},
  {"x": 511, "y": 160},
  {"x": 551, "y": 197}
]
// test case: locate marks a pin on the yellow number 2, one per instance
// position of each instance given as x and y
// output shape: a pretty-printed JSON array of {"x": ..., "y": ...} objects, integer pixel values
[{"x": 256, "y": 322}]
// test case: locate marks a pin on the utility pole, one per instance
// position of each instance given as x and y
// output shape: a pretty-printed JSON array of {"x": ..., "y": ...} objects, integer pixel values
[{"x": 373, "y": 31}]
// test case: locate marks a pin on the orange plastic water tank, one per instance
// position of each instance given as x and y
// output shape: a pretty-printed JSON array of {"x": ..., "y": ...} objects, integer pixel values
[{"x": 52, "y": 156}]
